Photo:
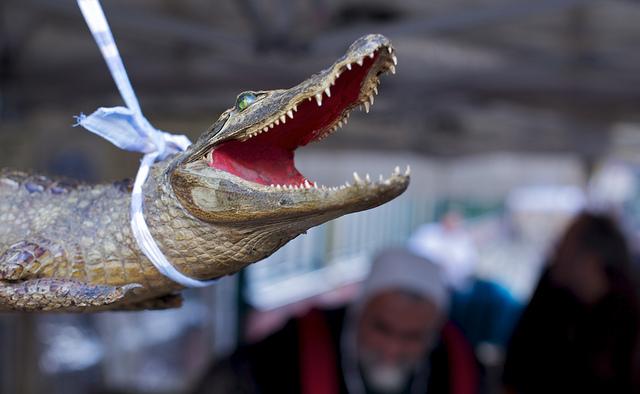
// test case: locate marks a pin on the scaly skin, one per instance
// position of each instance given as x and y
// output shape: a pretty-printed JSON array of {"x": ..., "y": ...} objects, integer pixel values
[
  {"x": 82, "y": 233},
  {"x": 67, "y": 246}
]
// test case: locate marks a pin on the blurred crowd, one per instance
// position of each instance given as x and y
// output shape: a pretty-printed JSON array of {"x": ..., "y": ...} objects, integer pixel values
[{"x": 424, "y": 322}]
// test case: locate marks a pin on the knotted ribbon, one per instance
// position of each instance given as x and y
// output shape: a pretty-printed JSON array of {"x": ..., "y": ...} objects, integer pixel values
[{"x": 128, "y": 129}]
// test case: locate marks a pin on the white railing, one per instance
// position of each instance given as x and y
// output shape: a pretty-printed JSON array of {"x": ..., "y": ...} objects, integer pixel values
[{"x": 333, "y": 254}]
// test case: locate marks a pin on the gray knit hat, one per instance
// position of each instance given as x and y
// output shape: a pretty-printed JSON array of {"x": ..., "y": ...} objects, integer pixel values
[{"x": 399, "y": 268}]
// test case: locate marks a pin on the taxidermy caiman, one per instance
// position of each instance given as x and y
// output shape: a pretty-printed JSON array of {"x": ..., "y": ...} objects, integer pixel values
[{"x": 232, "y": 198}]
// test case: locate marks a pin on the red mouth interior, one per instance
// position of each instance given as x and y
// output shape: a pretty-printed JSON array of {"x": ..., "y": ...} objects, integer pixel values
[{"x": 268, "y": 158}]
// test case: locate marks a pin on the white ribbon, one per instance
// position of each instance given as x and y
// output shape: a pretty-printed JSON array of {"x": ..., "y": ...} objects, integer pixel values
[{"x": 128, "y": 129}]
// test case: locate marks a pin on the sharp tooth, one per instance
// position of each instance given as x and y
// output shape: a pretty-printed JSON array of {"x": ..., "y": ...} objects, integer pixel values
[
  {"x": 349, "y": 66},
  {"x": 371, "y": 99},
  {"x": 333, "y": 82},
  {"x": 319, "y": 99},
  {"x": 342, "y": 187},
  {"x": 357, "y": 178},
  {"x": 347, "y": 184},
  {"x": 265, "y": 128},
  {"x": 393, "y": 69},
  {"x": 324, "y": 187},
  {"x": 309, "y": 98},
  {"x": 271, "y": 126},
  {"x": 278, "y": 187},
  {"x": 360, "y": 62},
  {"x": 367, "y": 178},
  {"x": 272, "y": 185},
  {"x": 328, "y": 91},
  {"x": 396, "y": 170},
  {"x": 371, "y": 55},
  {"x": 408, "y": 170},
  {"x": 307, "y": 184},
  {"x": 389, "y": 49},
  {"x": 366, "y": 106},
  {"x": 338, "y": 75},
  {"x": 295, "y": 108},
  {"x": 277, "y": 122},
  {"x": 395, "y": 60},
  {"x": 290, "y": 114},
  {"x": 315, "y": 184},
  {"x": 345, "y": 120},
  {"x": 339, "y": 123},
  {"x": 283, "y": 119},
  {"x": 375, "y": 89}
]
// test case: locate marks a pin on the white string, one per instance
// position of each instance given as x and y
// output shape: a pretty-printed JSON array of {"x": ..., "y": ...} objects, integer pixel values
[
  {"x": 97, "y": 22},
  {"x": 128, "y": 129}
]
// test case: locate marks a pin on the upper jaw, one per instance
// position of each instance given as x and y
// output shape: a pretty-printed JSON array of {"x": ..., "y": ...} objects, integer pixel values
[
  {"x": 278, "y": 106},
  {"x": 319, "y": 87}
]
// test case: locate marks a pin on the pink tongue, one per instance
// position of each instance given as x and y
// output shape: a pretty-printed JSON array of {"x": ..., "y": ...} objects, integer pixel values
[{"x": 266, "y": 165}]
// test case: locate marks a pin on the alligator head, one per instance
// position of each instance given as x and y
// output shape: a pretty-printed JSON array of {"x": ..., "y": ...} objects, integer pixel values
[{"x": 242, "y": 170}]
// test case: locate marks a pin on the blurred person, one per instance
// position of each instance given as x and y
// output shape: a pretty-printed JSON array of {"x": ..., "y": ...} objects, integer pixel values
[
  {"x": 448, "y": 244},
  {"x": 579, "y": 332},
  {"x": 484, "y": 310},
  {"x": 394, "y": 338}
]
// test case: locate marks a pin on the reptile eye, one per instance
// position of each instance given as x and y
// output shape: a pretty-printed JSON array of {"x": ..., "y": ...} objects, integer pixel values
[{"x": 245, "y": 100}]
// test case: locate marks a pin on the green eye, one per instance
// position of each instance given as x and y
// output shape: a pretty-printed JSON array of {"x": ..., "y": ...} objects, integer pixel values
[{"x": 245, "y": 100}]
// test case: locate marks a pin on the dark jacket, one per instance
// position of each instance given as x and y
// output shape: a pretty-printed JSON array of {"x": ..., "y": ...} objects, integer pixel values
[
  {"x": 563, "y": 346},
  {"x": 273, "y": 365}
]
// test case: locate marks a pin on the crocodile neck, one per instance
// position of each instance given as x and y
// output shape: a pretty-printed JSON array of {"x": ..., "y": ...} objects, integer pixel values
[{"x": 204, "y": 250}]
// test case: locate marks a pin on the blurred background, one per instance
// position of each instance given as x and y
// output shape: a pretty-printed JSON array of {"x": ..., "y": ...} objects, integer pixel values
[{"x": 515, "y": 114}]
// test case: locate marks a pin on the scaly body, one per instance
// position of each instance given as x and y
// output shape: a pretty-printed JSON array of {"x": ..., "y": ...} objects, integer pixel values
[{"x": 233, "y": 198}]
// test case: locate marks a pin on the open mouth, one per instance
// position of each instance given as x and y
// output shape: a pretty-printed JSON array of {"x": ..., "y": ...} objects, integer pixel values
[{"x": 265, "y": 153}]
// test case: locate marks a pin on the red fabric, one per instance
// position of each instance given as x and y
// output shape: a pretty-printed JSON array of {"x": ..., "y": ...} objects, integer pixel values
[
  {"x": 463, "y": 370},
  {"x": 318, "y": 373}
]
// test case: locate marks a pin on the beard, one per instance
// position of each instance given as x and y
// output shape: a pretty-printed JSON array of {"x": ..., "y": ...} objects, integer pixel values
[{"x": 384, "y": 377}]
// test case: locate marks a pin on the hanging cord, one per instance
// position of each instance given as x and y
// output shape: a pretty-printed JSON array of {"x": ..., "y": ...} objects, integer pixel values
[{"x": 128, "y": 129}]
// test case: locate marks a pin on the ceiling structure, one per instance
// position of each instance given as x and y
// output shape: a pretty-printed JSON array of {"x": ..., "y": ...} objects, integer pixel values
[{"x": 473, "y": 76}]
